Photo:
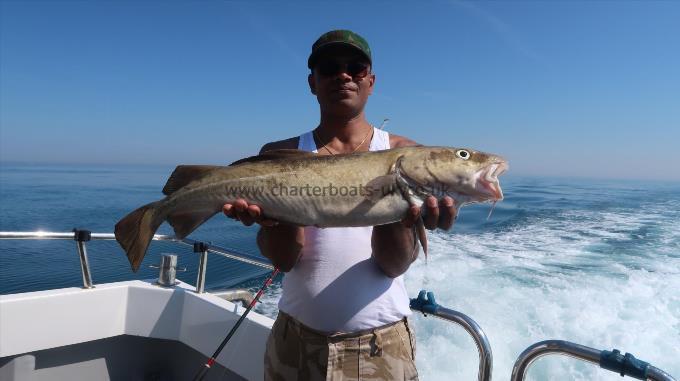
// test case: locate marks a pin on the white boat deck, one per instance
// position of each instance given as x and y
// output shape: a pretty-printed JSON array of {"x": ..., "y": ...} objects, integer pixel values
[{"x": 38, "y": 321}]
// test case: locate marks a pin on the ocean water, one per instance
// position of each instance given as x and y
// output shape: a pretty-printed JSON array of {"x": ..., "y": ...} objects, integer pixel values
[{"x": 594, "y": 262}]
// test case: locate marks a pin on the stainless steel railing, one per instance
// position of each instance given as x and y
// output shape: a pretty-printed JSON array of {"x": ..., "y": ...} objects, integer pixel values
[
  {"x": 625, "y": 365},
  {"x": 83, "y": 236},
  {"x": 426, "y": 304}
]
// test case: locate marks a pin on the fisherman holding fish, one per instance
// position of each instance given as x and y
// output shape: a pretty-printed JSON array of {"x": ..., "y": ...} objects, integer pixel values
[
  {"x": 342, "y": 209},
  {"x": 344, "y": 304}
]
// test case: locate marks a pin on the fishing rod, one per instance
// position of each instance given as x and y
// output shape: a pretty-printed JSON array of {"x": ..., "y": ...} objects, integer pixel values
[
  {"x": 206, "y": 367},
  {"x": 384, "y": 123}
]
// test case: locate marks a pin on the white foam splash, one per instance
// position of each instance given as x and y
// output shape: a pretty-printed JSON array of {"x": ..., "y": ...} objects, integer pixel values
[
  {"x": 544, "y": 281},
  {"x": 557, "y": 277}
]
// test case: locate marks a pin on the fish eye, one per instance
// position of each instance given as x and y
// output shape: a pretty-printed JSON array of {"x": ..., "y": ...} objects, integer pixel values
[{"x": 463, "y": 154}]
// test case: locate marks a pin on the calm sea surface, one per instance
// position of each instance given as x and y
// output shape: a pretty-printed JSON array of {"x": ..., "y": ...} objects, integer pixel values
[{"x": 595, "y": 262}]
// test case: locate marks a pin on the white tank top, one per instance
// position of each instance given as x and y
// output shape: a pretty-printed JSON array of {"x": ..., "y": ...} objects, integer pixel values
[{"x": 336, "y": 286}]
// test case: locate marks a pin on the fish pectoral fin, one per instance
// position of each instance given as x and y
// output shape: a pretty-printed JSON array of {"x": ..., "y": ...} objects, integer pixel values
[
  {"x": 185, "y": 174},
  {"x": 185, "y": 222},
  {"x": 274, "y": 155},
  {"x": 413, "y": 200},
  {"x": 380, "y": 186}
]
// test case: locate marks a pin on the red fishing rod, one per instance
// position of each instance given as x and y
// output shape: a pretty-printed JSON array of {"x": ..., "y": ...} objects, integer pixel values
[{"x": 206, "y": 367}]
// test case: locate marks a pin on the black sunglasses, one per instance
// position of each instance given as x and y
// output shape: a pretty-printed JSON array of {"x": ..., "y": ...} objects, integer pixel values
[{"x": 356, "y": 69}]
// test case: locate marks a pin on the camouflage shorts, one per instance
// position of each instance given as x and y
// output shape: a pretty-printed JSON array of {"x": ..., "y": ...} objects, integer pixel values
[{"x": 296, "y": 352}]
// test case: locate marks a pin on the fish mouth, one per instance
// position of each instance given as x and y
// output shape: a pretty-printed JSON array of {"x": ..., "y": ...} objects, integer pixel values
[{"x": 487, "y": 180}]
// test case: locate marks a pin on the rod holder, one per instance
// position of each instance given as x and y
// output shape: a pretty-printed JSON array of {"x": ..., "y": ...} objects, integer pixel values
[
  {"x": 82, "y": 236},
  {"x": 167, "y": 270}
]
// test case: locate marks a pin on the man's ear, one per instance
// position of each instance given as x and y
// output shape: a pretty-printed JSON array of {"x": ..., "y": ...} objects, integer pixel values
[
  {"x": 371, "y": 82},
  {"x": 312, "y": 85}
]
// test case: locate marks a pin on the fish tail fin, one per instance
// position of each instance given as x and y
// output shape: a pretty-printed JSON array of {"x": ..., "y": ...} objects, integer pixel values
[{"x": 135, "y": 231}]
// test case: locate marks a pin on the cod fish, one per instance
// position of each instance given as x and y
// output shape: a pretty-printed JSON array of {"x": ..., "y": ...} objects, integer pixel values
[{"x": 306, "y": 189}]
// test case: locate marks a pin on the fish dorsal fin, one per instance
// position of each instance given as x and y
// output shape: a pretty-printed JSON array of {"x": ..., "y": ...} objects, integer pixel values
[
  {"x": 274, "y": 155},
  {"x": 184, "y": 174}
]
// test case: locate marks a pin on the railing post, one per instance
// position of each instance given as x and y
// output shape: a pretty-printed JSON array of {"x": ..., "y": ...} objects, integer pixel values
[
  {"x": 82, "y": 236},
  {"x": 202, "y": 249}
]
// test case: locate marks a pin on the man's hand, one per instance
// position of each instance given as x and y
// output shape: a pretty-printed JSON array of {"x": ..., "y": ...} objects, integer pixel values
[
  {"x": 248, "y": 214},
  {"x": 281, "y": 243},
  {"x": 440, "y": 214}
]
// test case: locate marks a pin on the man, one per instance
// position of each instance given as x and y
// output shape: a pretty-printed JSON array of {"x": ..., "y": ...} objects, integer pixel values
[{"x": 342, "y": 314}]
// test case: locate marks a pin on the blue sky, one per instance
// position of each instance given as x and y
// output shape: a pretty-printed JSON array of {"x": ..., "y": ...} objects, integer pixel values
[{"x": 559, "y": 88}]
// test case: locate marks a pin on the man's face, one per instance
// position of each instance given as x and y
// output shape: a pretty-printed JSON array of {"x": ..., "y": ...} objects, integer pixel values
[{"x": 338, "y": 81}]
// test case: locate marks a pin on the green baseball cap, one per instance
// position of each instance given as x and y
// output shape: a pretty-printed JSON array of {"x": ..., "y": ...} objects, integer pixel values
[{"x": 339, "y": 37}]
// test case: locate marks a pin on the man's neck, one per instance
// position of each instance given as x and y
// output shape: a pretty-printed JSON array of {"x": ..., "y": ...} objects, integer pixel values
[{"x": 346, "y": 130}]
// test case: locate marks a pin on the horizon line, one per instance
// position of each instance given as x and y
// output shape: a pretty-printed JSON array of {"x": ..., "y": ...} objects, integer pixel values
[{"x": 4, "y": 163}]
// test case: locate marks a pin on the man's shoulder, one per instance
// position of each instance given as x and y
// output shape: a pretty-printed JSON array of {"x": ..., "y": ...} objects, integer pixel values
[
  {"x": 397, "y": 141},
  {"x": 290, "y": 143}
]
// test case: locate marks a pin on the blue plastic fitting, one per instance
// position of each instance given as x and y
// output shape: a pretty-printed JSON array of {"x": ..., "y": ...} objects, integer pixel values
[
  {"x": 625, "y": 365},
  {"x": 425, "y": 302}
]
